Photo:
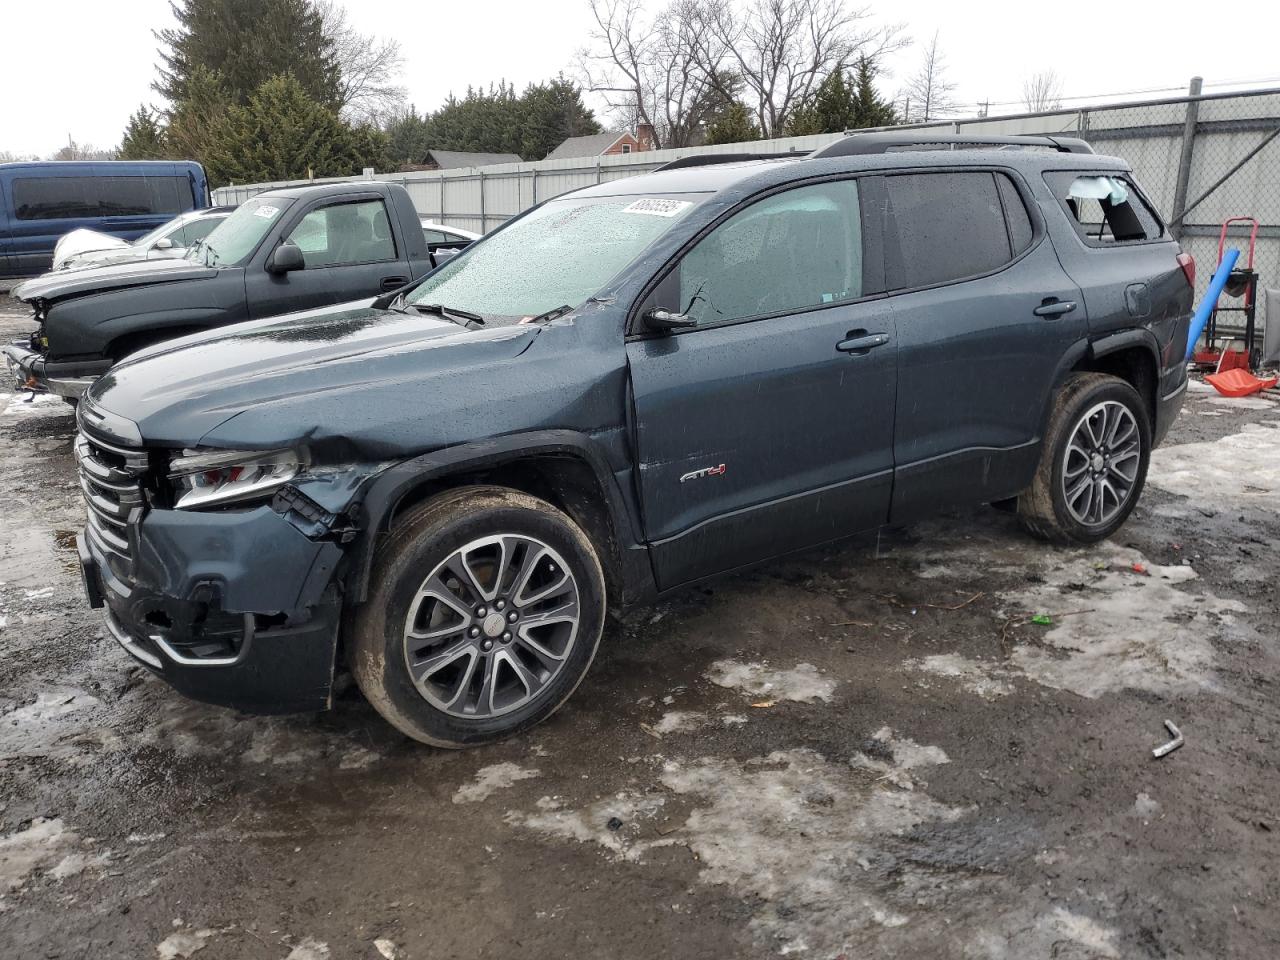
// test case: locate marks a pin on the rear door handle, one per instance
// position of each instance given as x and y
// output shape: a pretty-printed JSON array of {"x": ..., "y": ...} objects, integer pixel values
[
  {"x": 860, "y": 343},
  {"x": 390, "y": 283},
  {"x": 1053, "y": 307}
]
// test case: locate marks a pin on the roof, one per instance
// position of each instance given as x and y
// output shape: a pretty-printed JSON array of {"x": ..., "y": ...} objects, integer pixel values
[
  {"x": 591, "y": 145},
  {"x": 457, "y": 159},
  {"x": 758, "y": 174}
]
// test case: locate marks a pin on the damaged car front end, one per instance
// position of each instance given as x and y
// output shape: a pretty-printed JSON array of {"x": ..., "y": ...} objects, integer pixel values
[
  {"x": 215, "y": 569},
  {"x": 29, "y": 366}
]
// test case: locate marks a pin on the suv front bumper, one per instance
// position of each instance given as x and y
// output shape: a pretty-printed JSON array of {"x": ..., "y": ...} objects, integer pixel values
[
  {"x": 32, "y": 371},
  {"x": 234, "y": 608}
]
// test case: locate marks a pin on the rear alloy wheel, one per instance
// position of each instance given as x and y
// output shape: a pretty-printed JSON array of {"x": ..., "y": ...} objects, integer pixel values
[
  {"x": 1093, "y": 463},
  {"x": 485, "y": 613}
]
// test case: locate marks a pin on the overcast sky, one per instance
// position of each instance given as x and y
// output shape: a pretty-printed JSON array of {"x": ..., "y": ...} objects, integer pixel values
[{"x": 80, "y": 67}]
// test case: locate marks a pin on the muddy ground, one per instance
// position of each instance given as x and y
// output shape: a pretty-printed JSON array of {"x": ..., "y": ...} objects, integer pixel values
[{"x": 868, "y": 751}]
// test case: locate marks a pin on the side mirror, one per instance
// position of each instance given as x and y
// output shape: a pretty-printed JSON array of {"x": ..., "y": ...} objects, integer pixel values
[
  {"x": 286, "y": 258},
  {"x": 164, "y": 243},
  {"x": 664, "y": 321}
]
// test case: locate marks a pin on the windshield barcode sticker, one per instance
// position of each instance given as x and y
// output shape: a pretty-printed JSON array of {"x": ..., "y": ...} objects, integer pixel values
[
  {"x": 654, "y": 207},
  {"x": 266, "y": 211}
]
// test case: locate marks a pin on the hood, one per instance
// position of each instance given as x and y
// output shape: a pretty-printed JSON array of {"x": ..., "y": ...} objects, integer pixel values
[
  {"x": 98, "y": 258},
  {"x": 321, "y": 372},
  {"x": 112, "y": 276},
  {"x": 82, "y": 241}
]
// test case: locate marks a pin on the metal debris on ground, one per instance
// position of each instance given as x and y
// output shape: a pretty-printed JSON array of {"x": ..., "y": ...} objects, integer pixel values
[{"x": 1172, "y": 745}]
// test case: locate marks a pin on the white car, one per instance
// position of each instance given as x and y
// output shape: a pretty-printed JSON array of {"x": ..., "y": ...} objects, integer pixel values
[
  {"x": 437, "y": 233},
  {"x": 89, "y": 248}
]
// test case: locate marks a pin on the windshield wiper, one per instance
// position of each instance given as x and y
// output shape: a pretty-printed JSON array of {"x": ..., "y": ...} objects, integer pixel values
[
  {"x": 550, "y": 315},
  {"x": 449, "y": 313}
]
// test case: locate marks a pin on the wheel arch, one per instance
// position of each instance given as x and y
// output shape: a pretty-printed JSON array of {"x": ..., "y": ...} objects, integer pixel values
[
  {"x": 563, "y": 467},
  {"x": 1134, "y": 357}
]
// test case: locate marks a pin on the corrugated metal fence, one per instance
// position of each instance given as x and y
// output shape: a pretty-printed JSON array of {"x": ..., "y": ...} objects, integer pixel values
[{"x": 1201, "y": 159}]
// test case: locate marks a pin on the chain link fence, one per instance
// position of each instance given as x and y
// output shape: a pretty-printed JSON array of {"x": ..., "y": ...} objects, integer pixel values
[{"x": 1201, "y": 160}]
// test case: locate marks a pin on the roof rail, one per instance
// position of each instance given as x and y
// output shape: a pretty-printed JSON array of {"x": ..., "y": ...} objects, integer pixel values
[
  {"x": 706, "y": 159},
  {"x": 854, "y": 144}
]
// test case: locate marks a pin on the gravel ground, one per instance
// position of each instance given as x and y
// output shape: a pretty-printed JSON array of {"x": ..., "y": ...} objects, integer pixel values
[{"x": 866, "y": 751}]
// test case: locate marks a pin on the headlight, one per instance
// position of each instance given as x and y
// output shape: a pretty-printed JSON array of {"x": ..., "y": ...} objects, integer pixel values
[{"x": 203, "y": 478}]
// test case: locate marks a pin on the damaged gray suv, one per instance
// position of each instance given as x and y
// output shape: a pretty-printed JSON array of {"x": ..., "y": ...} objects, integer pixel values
[{"x": 623, "y": 390}]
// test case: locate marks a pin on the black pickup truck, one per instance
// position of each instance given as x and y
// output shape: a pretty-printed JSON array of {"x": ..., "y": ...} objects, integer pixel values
[{"x": 280, "y": 252}]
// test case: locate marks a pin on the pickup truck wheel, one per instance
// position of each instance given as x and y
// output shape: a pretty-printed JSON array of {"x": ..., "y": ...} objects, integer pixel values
[
  {"x": 1093, "y": 463},
  {"x": 485, "y": 612}
]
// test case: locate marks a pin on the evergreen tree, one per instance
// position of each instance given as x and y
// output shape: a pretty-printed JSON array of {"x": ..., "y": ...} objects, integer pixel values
[
  {"x": 283, "y": 134},
  {"x": 406, "y": 133},
  {"x": 870, "y": 109},
  {"x": 144, "y": 137},
  {"x": 196, "y": 121},
  {"x": 247, "y": 42},
  {"x": 736, "y": 125},
  {"x": 550, "y": 113}
]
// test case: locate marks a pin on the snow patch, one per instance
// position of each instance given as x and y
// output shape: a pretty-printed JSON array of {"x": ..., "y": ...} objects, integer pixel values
[
  {"x": 24, "y": 851},
  {"x": 182, "y": 944},
  {"x": 1123, "y": 629},
  {"x": 1145, "y": 806},
  {"x": 309, "y": 949},
  {"x": 1242, "y": 467},
  {"x": 987, "y": 680},
  {"x": 489, "y": 779},
  {"x": 613, "y": 823},
  {"x": 678, "y": 721},
  {"x": 802, "y": 683}
]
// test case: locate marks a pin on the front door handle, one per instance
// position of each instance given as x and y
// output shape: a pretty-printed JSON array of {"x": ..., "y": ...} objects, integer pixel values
[
  {"x": 860, "y": 343},
  {"x": 390, "y": 283},
  {"x": 1053, "y": 307}
]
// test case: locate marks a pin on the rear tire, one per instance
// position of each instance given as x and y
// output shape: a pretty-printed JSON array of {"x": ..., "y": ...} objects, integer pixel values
[
  {"x": 485, "y": 612},
  {"x": 1093, "y": 462}
]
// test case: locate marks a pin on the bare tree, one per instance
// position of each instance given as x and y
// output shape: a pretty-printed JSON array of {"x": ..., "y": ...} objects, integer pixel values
[
  {"x": 686, "y": 65},
  {"x": 783, "y": 49},
  {"x": 83, "y": 151},
  {"x": 928, "y": 92},
  {"x": 1042, "y": 91},
  {"x": 648, "y": 69},
  {"x": 368, "y": 66}
]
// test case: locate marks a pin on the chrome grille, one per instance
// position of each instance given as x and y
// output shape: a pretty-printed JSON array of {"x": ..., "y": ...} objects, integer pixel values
[{"x": 111, "y": 480}]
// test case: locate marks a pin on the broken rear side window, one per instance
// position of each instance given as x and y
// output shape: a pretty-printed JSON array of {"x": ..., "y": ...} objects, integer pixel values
[{"x": 1105, "y": 207}]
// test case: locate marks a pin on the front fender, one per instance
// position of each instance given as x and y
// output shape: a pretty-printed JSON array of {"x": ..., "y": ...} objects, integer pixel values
[{"x": 384, "y": 495}]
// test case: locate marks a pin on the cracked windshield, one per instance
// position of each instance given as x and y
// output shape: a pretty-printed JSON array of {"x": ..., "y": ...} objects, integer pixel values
[{"x": 557, "y": 256}]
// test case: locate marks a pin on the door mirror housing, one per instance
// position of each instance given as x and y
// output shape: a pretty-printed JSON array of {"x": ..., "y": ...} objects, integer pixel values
[
  {"x": 664, "y": 321},
  {"x": 286, "y": 258},
  {"x": 164, "y": 243}
]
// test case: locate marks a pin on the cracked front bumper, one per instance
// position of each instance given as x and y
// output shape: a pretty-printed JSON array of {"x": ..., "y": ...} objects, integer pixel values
[
  {"x": 235, "y": 608},
  {"x": 29, "y": 370}
]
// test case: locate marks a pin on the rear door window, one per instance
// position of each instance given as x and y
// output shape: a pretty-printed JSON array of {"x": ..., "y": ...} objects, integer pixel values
[
  {"x": 942, "y": 227},
  {"x": 1105, "y": 208},
  {"x": 787, "y": 253}
]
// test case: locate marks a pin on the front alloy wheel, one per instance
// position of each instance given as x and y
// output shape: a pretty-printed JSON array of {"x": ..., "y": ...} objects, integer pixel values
[
  {"x": 491, "y": 626},
  {"x": 484, "y": 612}
]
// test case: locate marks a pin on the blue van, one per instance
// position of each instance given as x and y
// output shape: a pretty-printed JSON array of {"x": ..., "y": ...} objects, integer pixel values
[{"x": 41, "y": 201}]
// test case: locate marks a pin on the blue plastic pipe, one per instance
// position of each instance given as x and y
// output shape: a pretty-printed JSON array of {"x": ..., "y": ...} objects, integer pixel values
[{"x": 1201, "y": 316}]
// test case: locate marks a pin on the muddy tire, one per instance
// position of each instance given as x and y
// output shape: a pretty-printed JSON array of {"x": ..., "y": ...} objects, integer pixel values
[
  {"x": 484, "y": 613},
  {"x": 1093, "y": 462}
]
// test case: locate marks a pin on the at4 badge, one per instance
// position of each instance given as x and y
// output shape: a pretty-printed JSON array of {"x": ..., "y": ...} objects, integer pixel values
[{"x": 704, "y": 472}]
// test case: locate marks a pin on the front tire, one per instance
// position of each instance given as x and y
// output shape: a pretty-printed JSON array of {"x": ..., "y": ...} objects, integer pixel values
[
  {"x": 485, "y": 613},
  {"x": 1093, "y": 463}
]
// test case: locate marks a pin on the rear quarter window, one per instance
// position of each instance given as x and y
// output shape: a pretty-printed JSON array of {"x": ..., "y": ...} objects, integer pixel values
[{"x": 1105, "y": 208}]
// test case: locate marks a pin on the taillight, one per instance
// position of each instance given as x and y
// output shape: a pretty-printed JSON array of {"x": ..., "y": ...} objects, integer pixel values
[{"x": 1188, "y": 264}]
